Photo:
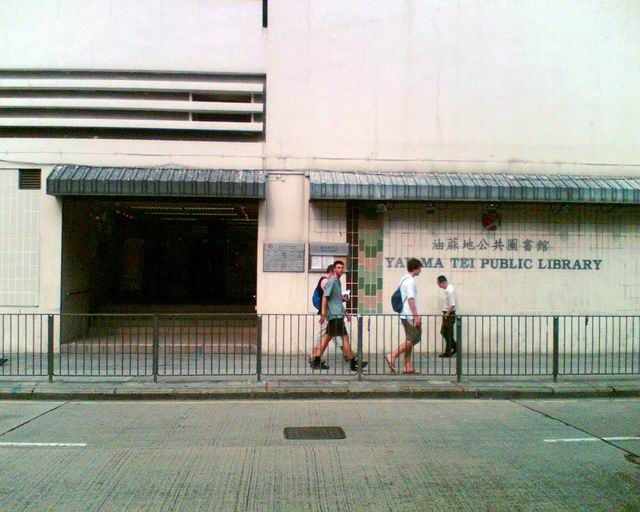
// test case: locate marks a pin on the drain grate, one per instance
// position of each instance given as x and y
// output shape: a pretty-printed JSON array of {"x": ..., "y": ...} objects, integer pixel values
[{"x": 314, "y": 433}]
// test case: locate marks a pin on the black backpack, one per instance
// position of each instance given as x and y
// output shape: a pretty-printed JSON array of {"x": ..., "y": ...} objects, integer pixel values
[{"x": 396, "y": 299}]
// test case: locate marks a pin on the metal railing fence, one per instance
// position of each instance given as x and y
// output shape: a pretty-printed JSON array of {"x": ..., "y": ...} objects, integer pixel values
[
  {"x": 163, "y": 345},
  {"x": 25, "y": 341}
]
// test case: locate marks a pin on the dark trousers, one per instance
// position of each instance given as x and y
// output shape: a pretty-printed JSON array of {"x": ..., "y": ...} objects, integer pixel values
[{"x": 446, "y": 330}]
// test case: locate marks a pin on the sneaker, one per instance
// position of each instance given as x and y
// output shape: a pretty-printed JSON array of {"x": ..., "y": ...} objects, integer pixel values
[
  {"x": 321, "y": 365},
  {"x": 355, "y": 364},
  {"x": 3, "y": 360}
]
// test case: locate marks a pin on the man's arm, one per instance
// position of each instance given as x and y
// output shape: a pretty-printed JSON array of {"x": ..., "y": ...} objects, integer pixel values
[
  {"x": 412, "y": 305},
  {"x": 323, "y": 309}
]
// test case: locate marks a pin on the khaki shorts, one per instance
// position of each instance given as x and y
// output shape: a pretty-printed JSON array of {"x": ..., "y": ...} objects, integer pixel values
[{"x": 412, "y": 332}]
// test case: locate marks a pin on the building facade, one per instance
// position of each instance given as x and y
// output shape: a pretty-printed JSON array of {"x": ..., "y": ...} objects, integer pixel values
[{"x": 204, "y": 155}]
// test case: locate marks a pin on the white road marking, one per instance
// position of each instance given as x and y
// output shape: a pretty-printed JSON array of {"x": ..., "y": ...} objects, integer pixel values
[
  {"x": 587, "y": 439},
  {"x": 38, "y": 445}
]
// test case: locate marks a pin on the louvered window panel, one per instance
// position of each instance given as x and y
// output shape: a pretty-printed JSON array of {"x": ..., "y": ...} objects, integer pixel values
[
  {"x": 132, "y": 105},
  {"x": 29, "y": 179}
]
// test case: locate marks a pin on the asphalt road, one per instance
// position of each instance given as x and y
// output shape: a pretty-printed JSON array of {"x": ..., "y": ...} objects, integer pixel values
[{"x": 398, "y": 455}]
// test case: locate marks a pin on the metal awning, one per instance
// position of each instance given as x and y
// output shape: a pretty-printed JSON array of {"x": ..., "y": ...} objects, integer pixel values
[
  {"x": 82, "y": 180},
  {"x": 387, "y": 186}
]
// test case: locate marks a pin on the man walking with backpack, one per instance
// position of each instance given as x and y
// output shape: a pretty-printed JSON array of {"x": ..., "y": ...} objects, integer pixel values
[
  {"x": 411, "y": 321},
  {"x": 317, "y": 303},
  {"x": 334, "y": 312}
]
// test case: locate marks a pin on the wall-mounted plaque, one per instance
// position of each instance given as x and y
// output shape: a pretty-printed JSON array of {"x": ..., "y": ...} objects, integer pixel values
[
  {"x": 322, "y": 254},
  {"x": 324, "y": 249},
  {"x": 283, "y": 257}
]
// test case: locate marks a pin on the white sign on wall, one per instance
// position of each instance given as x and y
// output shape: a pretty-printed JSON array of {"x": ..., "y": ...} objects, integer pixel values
[{"x": 283, "y": 257}]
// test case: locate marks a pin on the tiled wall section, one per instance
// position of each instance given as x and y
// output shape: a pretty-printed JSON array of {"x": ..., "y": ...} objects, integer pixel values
[
  {"x": 542, "y": 259},
  {"x": 327, "y": 222},
  {"x": 19, "y": 242},
  {"x": 370, "y": 263}
]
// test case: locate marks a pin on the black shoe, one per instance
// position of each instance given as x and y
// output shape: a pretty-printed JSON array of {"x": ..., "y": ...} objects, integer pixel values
[
  {"x": 3, "y": 360},
  {"x": 355, "y": 364},
  {"x": 454, "y": 349},
  {"x": 446, "y": 354},
  {"x": 321, "y": 365}
]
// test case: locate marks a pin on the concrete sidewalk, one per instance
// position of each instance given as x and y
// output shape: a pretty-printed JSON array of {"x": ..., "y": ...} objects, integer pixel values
[{"x": 289, "y": 387}]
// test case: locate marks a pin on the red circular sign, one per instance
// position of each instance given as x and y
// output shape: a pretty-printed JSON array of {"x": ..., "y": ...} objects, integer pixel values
[{"x": 491, "y": 221}]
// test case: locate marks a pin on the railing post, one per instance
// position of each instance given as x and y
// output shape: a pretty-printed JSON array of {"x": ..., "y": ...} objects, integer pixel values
[
  {"x": 556, "y": 335},
  {"x": 156, "y": 347},
  {"x": 359, "y": 348},
  {"x": 458, "y": 348},
  {"x": 50, "y": 327},
  {"x": 259, "y": 348}
]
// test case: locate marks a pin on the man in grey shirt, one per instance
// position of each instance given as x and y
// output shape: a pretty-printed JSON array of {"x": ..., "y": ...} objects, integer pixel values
[{"x": 334, "y": 312}]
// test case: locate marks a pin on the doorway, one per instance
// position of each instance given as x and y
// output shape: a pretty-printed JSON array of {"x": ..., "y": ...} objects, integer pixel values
[{"x": 133, "y": 255}]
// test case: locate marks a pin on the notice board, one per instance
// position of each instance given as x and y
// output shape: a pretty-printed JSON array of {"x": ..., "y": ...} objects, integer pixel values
[{"x": 283, "y": 257}]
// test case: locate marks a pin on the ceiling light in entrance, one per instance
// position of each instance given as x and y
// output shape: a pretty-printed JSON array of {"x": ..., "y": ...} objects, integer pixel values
[
  {"x": 183, "y": 208},
  {"x": 194, "y": 214}
]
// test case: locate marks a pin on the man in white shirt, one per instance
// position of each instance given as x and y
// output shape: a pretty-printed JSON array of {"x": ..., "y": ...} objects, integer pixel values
[
  {"x": 411, "y": 321},
  {"x": 448, "y": 316}
]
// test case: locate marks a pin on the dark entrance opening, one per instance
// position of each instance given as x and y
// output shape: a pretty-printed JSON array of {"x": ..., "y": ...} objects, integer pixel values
[{"x": 121, "y": 254}]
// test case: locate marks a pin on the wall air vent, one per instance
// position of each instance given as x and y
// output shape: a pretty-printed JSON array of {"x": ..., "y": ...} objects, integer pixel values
[
  {"x": 133, "y": 105},
  {"x": 29, "y": 179}
]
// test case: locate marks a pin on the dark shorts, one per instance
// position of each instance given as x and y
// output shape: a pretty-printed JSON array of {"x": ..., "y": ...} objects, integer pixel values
[
  {"x": 412, "y": 332},
  {"x": 336, "y": 327}
]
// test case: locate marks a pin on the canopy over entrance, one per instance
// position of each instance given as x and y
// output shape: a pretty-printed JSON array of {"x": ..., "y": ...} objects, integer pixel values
[
  {"x": 410, "y": 186},
  {"x": 82, "y": 180}
]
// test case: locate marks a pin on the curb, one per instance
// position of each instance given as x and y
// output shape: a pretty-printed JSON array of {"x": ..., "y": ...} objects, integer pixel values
[{"x": 344, "y": 394}]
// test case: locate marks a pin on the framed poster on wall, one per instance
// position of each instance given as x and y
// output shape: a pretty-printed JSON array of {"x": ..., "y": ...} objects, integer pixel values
[{"x": 283, "y": 257}]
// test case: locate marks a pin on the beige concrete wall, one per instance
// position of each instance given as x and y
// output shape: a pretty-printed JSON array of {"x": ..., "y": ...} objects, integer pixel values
[
  {"x": 145, "y": 35},
  {"x": 283, "y": 217},
  {"x": 50, "y": 250},
  {"x": 180, "y": 35},
  {"x": 433, "y": 85},
  {"x": 424, "y": 85},
  {"x": 542, "y": 259}
]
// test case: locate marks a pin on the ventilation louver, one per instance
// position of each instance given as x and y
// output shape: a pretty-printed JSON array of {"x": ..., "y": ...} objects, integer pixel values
[
  {"x": 131, "y": 105},
  {"x": 29, "y": 179}
]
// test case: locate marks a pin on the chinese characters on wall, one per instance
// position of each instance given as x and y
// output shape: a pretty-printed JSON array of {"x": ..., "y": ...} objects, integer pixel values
[
  {"x": 498, "y": 247},
  {"x": 509, "y": 244}
]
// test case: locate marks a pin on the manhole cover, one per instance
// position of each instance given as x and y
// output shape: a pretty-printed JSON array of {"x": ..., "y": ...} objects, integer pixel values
[{"x": 314, "y": 433}]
